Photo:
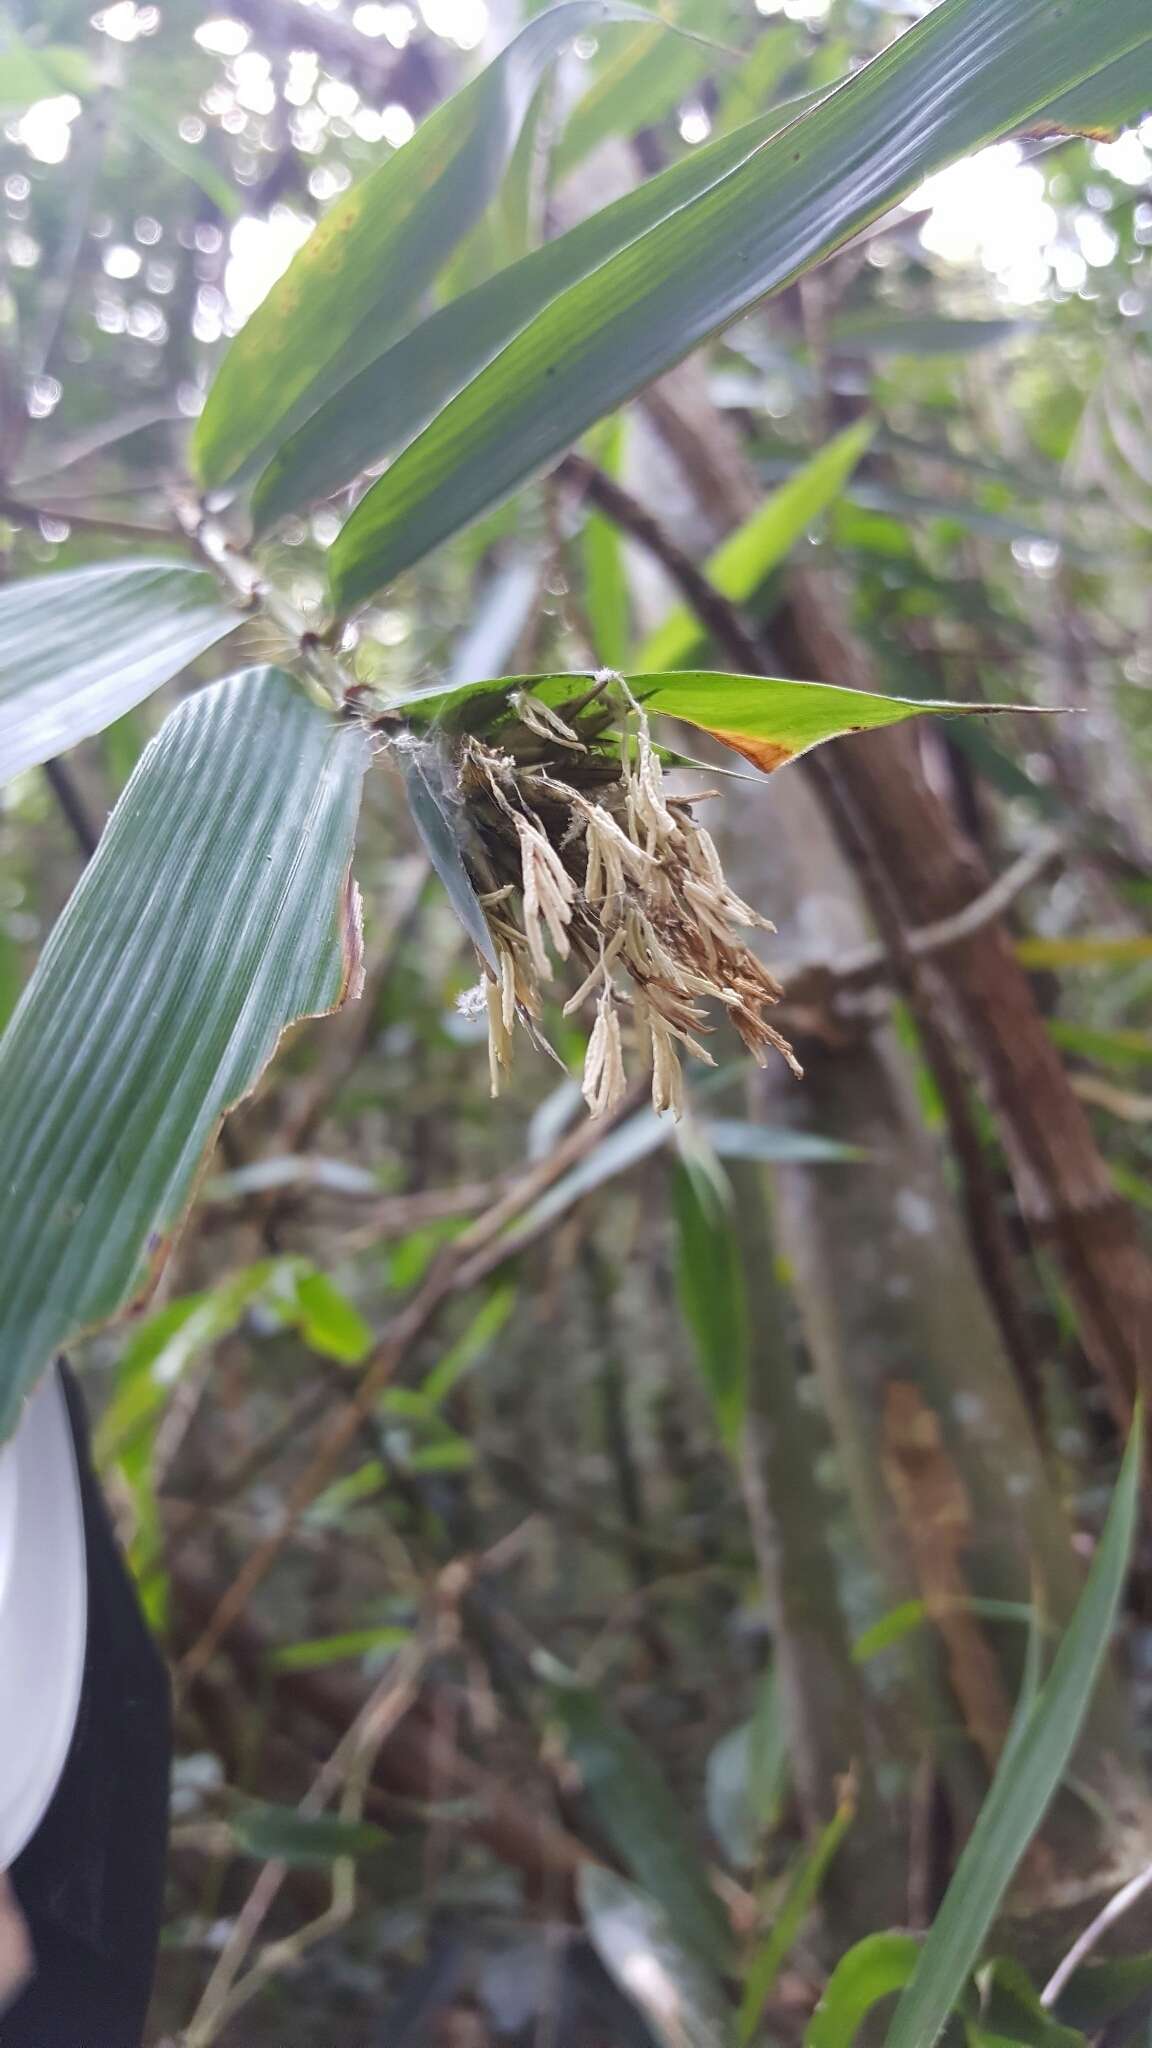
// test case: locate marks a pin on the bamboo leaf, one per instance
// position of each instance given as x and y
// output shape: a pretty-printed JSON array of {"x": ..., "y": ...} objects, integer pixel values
[
  {"x": 216, "y": 912},
  {"x": 873, "y": 1969},
  {"x": 396, "y": 395},
  {"x": 359, "y": 278},
  {"x": 1117, "y": 96},
  {"x": 30, "y": 72},
  {"x": 768, "y": 719},
  {"x": 740, "y": 565},
  {"x": 970, "y": 71},
  {"x": 320, "y": 1651},
  {"x": 642, "y": 1818},
  {"x": 803, "y": 1890},
  {"x": 285, "y": 1834},
  {"x": 710, "y": 1282},
  {"x": 642, "y": 84},
  {"x": 607, "y": 599},
  {"x": 1034, "y": 1761},
  {"x": 80, "y": 648},
  {"x": 682, "y": 2000}
]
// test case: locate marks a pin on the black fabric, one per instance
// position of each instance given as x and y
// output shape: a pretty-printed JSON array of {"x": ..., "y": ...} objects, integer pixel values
[{"x": 91, "y": 1880}]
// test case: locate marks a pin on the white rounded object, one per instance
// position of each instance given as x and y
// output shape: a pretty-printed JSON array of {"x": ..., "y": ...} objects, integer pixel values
[{"x": 43, "y": 1612}]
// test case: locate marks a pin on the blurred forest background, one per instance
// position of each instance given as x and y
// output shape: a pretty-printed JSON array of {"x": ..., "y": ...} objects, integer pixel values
[{"x": 716, "y": 1468}]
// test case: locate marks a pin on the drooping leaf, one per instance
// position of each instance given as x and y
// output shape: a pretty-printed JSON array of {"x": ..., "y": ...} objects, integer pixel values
[
  {"x": 397, "y": 394},
  {"x": 358, "y": 280},
  {"x": 80, "y": 647},
  {"x": 871, "y": 1970},
  {"x": 711, "y": 1285},
  {"x": 639, "y": 1136},
  {"x": 740, "y": 565},
  {"x": 681, "y": 1998},
  {"x": 1035, "y": 1758},
  {"x": 642, "y": 1818},
  {"x": 216, "y": 912},
  {"x": 967, "y": 73}
]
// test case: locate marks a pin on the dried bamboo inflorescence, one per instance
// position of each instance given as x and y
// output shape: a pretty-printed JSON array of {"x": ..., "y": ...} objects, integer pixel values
[{"x": 578, "y": 851}]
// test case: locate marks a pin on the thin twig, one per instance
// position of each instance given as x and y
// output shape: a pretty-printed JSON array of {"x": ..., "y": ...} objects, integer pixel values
[
  {"x": 1086, "y": 1942},
  {"x": 73, "y": 808},
  {"x": 471, "y": 1257},
  {"x": 350, "y": 1762}
]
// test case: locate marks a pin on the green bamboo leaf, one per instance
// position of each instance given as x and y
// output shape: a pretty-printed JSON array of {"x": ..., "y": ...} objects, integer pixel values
[
  {"x": 80, "y": 648},
  {"x": 803, "y": 1890},
  {"x": 320, "y": 1651},
  {"x": 284, "y": 1834},
  {"x": 30, "y": 72},
  {"x": 710, "y": 1282},
  {"x": 680, "y": 1997},
  {"x": 895, "y": 334},
  {"x": 740, "y": 565},
  {"x": 155, "y": 124},
  {"x": 772, "y": 722},
  {"x": 327, "y": 1321},
  {"x": 1098, "y": 1992},
  {"x": 396, "y": 395},
  {"x": 1116, "y": 97},
  {"x": 642, "y": 1818},
  {"x": 873, "y": 1969},
  {"x": 216, "y": 912},
  {"x": 747, "y": 1776},
  {"x": 1074, "y": 951},
  {"x": 769, "y": 719},
  {"x": 967, "y": 73},
  {"x": 359, "y": 278},
  {"x": 1010, "y": 2010},
  {"x": 606, "y": 595},
  {"x": 1034, "y": 1762},
  {"x": 636, "y": 89}
]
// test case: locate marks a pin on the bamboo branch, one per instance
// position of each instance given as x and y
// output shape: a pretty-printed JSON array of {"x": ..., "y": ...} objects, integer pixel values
[{"x": 918, "y": 871}]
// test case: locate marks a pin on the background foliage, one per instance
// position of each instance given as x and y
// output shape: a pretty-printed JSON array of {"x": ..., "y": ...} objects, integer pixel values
[{"x": 608, "y": 1566}]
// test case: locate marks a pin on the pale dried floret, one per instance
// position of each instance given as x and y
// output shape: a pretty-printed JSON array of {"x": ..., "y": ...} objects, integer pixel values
[
  {"x": 605, "y": 1082},
  {"x": 549, "y": 893}
]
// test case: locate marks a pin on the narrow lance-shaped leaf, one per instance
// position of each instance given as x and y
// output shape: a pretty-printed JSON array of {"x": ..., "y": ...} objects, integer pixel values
[
  {"x": 642, "y": 1818},
  {"x": 216, "y": 912},
  {"x": 969, "y": 72},
  {"x": 742, "y": 562},
  {"x": 1035, "y": 1759},
  {"x": 357, "y": 281},
  {"x": 80, "y": 648},
  {"x": 389, "y": 402},
  {"x": 711, "y": 1285}
]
